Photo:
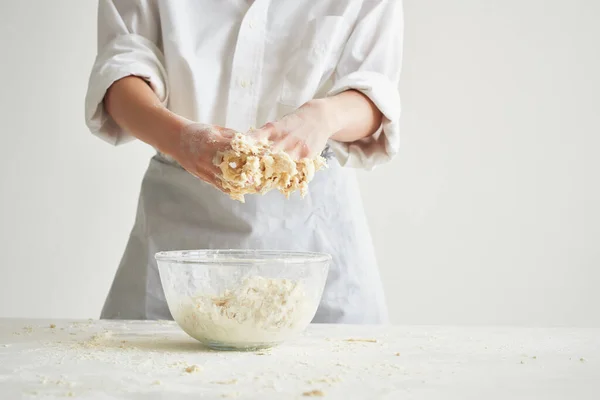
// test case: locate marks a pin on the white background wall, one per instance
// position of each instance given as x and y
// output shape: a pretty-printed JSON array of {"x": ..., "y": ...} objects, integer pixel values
[{"x": 490, "y": 215}]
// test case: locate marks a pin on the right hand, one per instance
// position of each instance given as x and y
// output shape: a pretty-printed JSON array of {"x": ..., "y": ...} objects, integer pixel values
[{"x": 198, "y": 147}]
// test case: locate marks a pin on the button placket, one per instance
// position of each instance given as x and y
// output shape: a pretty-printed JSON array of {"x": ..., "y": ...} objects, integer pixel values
[{"x": 247, "y": 69}]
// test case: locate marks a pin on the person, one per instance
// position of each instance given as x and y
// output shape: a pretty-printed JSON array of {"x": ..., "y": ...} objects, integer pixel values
[{"x": 315, "y": 77}]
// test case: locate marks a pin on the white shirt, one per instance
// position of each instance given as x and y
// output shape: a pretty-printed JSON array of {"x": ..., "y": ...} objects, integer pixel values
[{"x": 240, "y": 64}]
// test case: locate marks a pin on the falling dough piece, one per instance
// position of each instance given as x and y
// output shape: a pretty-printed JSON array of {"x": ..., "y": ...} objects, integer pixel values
[
  {"x": 52, "y": 326},
  {"x": 313, "y": 393},
  {"x": 251, "y": 167}
]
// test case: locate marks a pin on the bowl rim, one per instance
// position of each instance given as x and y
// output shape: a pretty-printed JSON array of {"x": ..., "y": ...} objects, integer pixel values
[{"x": 228, "y": 256}]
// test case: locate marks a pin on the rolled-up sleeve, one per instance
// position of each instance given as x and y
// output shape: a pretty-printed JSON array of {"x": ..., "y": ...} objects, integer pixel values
[
  {"x": 370, "y": 63},
  {"x": 128, "y": 44}
]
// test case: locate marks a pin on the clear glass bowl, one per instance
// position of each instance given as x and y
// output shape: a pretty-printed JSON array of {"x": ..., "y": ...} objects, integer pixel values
[{"x": 242, "y": 299}]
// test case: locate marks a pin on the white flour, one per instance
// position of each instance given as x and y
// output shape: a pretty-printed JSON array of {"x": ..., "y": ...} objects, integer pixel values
[{"x": 259, "y": 310}]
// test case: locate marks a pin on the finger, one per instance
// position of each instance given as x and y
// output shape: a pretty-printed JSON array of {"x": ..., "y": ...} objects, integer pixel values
[
  {"x": 227, "y": 133},
  {"x": 211, "y": 179},
  {"x": 295, "y": 147},
  {"x": 287, "y": 144},
  {"x": 270, "y": 131}
]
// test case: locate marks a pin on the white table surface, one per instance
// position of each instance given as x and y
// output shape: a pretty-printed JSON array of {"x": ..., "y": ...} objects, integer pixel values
[{"x": 147, "y": 360}]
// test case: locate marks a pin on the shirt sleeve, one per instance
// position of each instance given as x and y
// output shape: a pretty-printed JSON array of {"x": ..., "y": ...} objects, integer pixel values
[
  {"x": 128, "y": 44},
  {"x": 370, "y": 63}
]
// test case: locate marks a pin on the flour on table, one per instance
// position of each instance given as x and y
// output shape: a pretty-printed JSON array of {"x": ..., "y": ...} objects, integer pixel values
[
  {"x": 259, "y": 310},
  {"x": 97, "y": 340},
  {"x": 251, "y": 167}
]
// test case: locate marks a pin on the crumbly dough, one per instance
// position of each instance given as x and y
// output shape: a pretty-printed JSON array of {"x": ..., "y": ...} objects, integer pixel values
[
  {"x": 193, "y": 369},
  {"x": 251, "y": 167},
  {"x": 313, "y": 393}
]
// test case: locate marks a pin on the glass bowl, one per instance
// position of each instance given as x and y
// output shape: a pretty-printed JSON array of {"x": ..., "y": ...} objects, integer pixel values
[{"x": 242, "y": 299}]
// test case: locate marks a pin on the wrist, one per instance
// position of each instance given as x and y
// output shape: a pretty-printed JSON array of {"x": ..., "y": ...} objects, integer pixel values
[
  {"x": 329, "y": 113},
  {"x": 169, "y": 132}
]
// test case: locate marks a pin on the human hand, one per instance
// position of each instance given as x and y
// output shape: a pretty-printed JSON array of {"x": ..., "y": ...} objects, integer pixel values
[
  {"x": 198, "y": 147},
  {"x": 304, "y": 132}
]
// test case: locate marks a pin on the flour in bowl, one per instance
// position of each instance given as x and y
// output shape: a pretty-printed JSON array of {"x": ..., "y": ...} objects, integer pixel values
[{"x": 260, "y": 310}]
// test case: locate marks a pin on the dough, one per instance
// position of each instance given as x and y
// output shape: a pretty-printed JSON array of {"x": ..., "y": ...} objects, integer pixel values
[
  {"x": 192, "y": 369},
  {"x": 251, "y": 167},
  {"x": 259, "y": 310}
]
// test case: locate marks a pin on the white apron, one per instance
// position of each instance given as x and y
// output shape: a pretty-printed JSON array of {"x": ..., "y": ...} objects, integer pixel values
[{"x": 177, "y": 211}]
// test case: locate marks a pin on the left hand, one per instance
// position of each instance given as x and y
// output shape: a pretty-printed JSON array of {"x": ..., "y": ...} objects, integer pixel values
[{"x": 304, "y": 132}]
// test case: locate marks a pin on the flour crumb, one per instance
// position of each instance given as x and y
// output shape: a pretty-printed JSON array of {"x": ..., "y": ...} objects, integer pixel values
[
  {"x": 230, "y": 395},
  {"x": 397, "y": 354},
  {"x": 157, "y": 382},
  {"x": 229, "y": 382},
  {"x": 313, "y": 393},
  {"x": 361, "y": 340},
  {"x": 70, "y": 394},
  {"x": 52, "y": 326},
  {"x": 193, "y": 369},
  {"x": 97, "y": 340},
  {"x": 330, "y": 380},
  {"x": 582, "y": 359},
  {"x": 534, "y": 357}
]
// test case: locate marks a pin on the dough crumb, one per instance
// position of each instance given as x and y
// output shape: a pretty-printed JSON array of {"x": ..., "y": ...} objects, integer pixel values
[
  {"x": 397, "y": 354},
  {"x": 193, "y": 369},
  {"x": 230, "y": 395},
  {"x": 313, "y": 393},
  {"x": 330, "y": 380},
  {"x": 534, "y": 357},
  {"x": 157, "y": 382},
  {"x": 582, "y": 359},
  {"x": 361, "y": 340},
  {"x": 96, "y": 340},
  {"x": 70, "y": 394},
  {"x": 229, "y": 382},
  {"x": 52, "y": 326},
  {"x": 251, "y": 167}
]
